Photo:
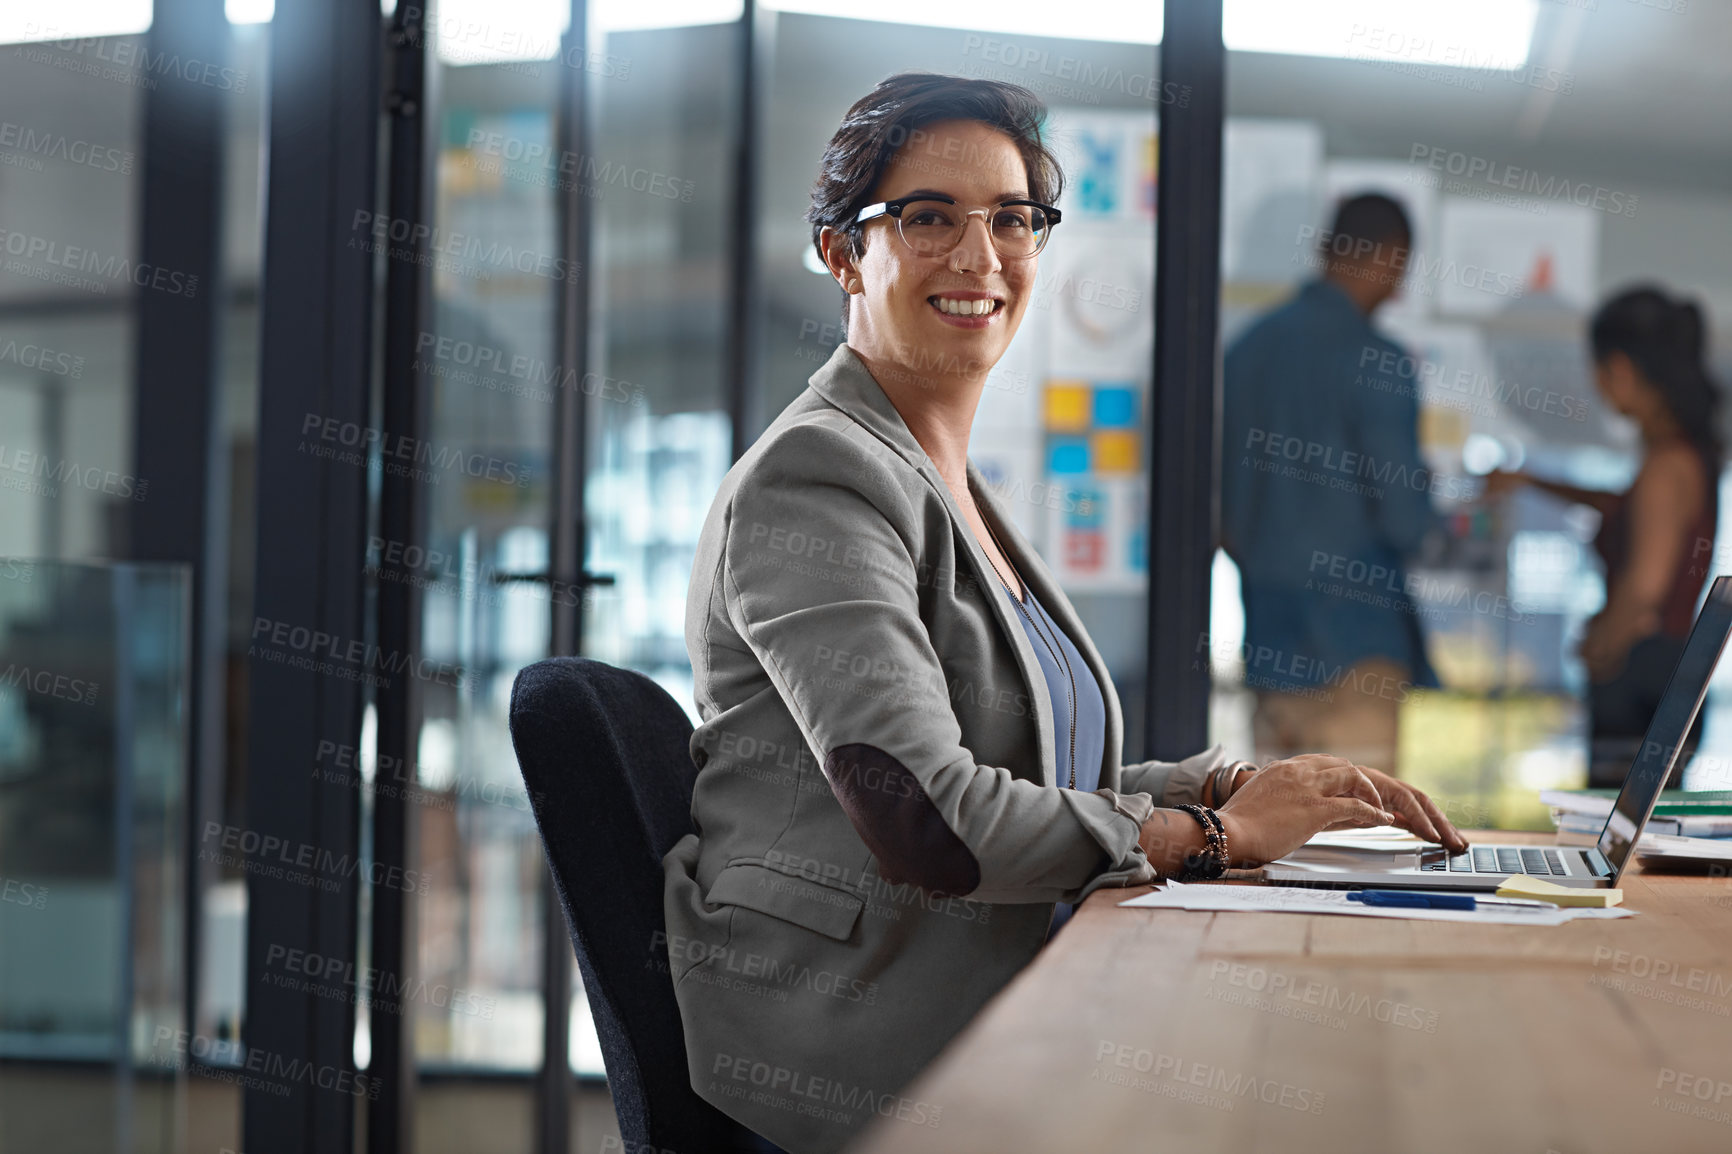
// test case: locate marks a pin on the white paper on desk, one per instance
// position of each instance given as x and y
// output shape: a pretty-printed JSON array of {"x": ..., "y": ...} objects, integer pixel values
[
  {"x": 1286, "y": 900},
  {"x": 1665, "y": 846},
  {"x": 1373, "y": 839}
]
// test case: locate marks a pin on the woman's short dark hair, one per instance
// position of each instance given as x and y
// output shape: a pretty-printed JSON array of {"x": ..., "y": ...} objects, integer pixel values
[
  {"x": 894, "y": 114},
  {"x": 1664, "y": 339}
]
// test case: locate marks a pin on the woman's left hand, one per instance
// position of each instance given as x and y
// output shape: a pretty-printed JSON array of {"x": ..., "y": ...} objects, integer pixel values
[{"x": 1414, "y": 811}]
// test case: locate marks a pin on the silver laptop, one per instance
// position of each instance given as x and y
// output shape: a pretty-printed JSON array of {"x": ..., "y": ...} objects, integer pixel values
[{"x": 1487, "y": 867}]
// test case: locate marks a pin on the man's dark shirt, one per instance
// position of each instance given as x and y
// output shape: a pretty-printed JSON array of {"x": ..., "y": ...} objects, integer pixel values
[{"x": 1323, "y": 493}]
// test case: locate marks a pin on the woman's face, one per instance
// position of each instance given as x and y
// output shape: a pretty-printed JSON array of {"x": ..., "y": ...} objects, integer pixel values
[
  {"x": 898, "y": 314},
  {"x": 1621, "y": 385}
]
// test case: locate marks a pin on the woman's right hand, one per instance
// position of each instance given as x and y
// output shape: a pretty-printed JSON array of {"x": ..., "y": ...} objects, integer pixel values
[{"x": 1282, "y": 805}]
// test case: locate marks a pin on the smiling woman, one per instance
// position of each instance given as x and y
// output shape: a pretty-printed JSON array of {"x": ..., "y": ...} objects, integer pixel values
[
  {"x": 861, "y": 595},
  {"x": 932, "y": 302}
]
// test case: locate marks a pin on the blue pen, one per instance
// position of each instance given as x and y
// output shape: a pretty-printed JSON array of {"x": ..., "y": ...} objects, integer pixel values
[{"x": 1409, "y": 900}]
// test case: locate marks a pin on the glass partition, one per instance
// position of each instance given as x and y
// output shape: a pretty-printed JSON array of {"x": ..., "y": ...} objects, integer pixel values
[
  {"x": 1535, "y": 190},
  {"x": 658, "y": 427},
  {"x": 68, "y": 224},
  {"x": 93, "y": 697},
  {"x": 486, "y": 363}
]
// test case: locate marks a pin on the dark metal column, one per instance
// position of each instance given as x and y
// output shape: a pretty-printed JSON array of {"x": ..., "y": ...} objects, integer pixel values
[
  {"x": 402, "y": 520},
  {"x": 573, "y": 221},
  {"x": 1183, "y": 408},
  {"x": 567, "y": 586},
  {"x": 745, "y": 388},
  {"x": 178, "y": 444},
  {"x": 312, "y": 515}
]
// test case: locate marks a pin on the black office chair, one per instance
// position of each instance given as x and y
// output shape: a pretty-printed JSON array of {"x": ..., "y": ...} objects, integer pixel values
[{"x": 604, "y": 753}]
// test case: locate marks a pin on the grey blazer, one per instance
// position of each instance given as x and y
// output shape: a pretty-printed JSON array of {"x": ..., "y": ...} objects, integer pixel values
[{"x": 880, "y": 834}]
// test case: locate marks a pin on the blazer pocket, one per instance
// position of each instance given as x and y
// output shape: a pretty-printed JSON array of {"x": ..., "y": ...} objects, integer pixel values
[{"x": 812, "y": 905}]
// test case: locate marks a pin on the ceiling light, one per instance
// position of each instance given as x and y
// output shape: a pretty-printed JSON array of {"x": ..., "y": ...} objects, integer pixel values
[
  {"x": 249, "y": 11},
  {"x": 27, "y": 21},
  {"x": 636, "y": 15},
  {"x": 497, "y": 31},
  {"x": 1482, "y": 34},
  {"x": 1134, "y": 24},
  {"x": 1462, "y": 33}
]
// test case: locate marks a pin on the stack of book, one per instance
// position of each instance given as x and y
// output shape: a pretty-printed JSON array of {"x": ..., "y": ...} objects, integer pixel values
[
  {"x": 1580, "y": 814},
  {"x": 1687, "y": 826}
]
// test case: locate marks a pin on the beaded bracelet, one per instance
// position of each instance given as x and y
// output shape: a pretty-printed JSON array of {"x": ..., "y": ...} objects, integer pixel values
[{"x": 1212, "y": 861}]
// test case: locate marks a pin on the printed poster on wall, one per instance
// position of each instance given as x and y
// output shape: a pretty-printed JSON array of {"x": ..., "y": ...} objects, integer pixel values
[
  {"x": 1270, "y": 173},
  {"x": 1492, "y": 254},
  {"x": 1094, "y": 302}
]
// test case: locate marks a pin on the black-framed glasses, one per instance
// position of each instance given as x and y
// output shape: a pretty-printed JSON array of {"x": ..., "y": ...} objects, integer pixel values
[{"x": 932, "y": 224}]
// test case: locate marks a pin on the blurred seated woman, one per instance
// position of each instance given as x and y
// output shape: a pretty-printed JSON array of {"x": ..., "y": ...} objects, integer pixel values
[
  {"x": 1656, "y": 539},
  {"x": 910, "y": 749}
]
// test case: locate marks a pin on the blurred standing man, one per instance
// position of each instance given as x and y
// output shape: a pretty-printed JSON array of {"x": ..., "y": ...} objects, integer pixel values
[{"x": 1324, "y": 495}]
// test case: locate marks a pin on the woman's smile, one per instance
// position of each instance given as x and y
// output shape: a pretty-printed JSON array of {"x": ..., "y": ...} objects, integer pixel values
[{"x": 967, "y": 310}]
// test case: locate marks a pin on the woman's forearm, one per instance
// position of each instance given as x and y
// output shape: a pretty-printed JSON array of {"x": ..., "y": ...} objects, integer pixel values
[{"x": 1599, "y": 500}]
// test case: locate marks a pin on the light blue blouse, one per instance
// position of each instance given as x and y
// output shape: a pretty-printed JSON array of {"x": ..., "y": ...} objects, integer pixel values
[{"x": 1091, "y": 709}]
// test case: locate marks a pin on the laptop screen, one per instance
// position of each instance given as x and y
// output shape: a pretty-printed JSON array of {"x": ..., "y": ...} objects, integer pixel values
[{"x": 1673, "y": 718}]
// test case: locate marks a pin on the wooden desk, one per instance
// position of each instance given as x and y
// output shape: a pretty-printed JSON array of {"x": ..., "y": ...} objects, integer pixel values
[{"x": 1165, "y": 1030}]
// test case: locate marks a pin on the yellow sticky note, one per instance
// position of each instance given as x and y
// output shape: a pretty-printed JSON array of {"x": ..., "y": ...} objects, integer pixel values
[
  {"x": 1115, "y": 451},
  {"x": 1442, "y": 428},
  {"x": 1068, "y": 406},
  {"x": 1542, "y": 890}
]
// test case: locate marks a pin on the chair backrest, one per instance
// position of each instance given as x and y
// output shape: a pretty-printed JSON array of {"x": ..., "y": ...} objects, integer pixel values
[{"x": 605, "y": 756}]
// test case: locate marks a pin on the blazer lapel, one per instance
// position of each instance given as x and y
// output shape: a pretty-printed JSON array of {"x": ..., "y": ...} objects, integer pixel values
[{"x": 844, "y": 382}]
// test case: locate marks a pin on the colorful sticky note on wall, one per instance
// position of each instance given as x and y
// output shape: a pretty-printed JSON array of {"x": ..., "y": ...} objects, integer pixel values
[
  {"x": 1067, "y": 455},
  {"x": 1085, "y": 549},
  {"x": 1442, "y": 428},
  {"x": 1150, "y": 184},
  {"x": 1085, "y": 508},
  {"x": 1115, "y": 451},
  {"x": 1097, "y": 174},
  {"x": 1115, "y": 406},
  {"x": 1067, "y": 407}
]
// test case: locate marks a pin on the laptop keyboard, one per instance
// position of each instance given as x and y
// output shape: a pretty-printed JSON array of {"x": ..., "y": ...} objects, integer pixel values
[{"x": 1501, "y": 860}]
